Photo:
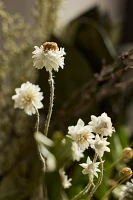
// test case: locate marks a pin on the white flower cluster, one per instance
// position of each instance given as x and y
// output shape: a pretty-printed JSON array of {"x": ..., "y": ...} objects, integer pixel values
[
  {"x": 127, "y": 191},
  {"x": 48, "y": 56},
  {"x": 93, "y": 135}
]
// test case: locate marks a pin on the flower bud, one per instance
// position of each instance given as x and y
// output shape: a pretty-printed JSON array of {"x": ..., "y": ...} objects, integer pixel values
[
  {"x": 127, "y": 153},
  {"x": 126, "y": 172}
]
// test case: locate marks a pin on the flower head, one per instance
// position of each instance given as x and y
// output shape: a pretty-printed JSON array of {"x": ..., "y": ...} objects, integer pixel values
[
  {"x": 27, "y": 97},
  {"x": 77, "y": 153},
  {"x": 48, "y": 56},
  {"x": 90, "y": 168},
  {"x": 81, "y": 134},
  {"x": 102, "y": 125},
  {"x": 100, "y": 145},
  {"x": 127, "y": 191},
  {"x": 64, "y": 179}
]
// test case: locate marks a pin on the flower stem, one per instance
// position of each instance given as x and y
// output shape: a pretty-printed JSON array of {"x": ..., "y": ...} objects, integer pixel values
[
  {"x": 37, "y": 129},
  {"x": 83, "y": 191},
  {"x": 98, "y": 183},
  {"x": 51, "y": 83}
]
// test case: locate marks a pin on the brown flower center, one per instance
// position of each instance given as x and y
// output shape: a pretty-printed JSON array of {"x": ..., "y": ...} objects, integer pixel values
[{"x": 50, "y": 46}]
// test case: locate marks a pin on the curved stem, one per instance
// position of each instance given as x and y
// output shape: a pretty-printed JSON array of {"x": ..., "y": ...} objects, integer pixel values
[
  {"x": 51, "y": 83},
  {"x": 98, "y": 183},
  {"x": 37, "y": 129},
  {"x": 83, "y": 191}
]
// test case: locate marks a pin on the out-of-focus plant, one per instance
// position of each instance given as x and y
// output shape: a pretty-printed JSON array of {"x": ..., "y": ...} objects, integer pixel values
[{"x": 19, "y": 163}]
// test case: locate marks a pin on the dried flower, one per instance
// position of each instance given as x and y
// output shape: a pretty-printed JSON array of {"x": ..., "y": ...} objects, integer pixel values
[
  {"x": 100, "y": 145},
  {"x": 127, "y": 153},
  {"x": 81, "y": 134},
  {"x": 48, "y": 56},
  {"x": 102, "y": 125},
  {"x": 64, "y": 179},
  {"x": 77, "y": 153},
  {"x": 90, "y": 168},
  {"x": 126, "y": 172},
  {"x": 127, "y": 191},
  {"x": 27, "y": 97}
]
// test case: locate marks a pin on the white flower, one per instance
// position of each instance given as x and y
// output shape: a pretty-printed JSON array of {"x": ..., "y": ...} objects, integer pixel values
[
  {"x": 48, "y": 56},
  {"x": 100, "y": 145},
  {"x": 73, "y": 130},
  {"x": 38, "y": 57},
  {"x": 27, "y": 95},
  {"x": 90, "y": 168},
  {"x": 102, "y": 125},
  {"x": 64, "y": 179},
  {"x": 77, "y": 153},
  {"x": 81, "y": 134},
  {"x": 127, "y": 191}
]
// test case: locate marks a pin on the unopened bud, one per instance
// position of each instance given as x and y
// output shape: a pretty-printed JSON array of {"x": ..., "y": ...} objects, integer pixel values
[
  {"x": 126, "y": 172},
  {"x": 127, "y": 153}
]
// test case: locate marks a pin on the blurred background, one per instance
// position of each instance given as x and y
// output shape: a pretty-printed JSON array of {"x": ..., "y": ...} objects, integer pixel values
[{"x": 98, "y": 38}]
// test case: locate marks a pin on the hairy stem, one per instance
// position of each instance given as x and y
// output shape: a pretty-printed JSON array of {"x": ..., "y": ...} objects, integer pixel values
[
  {"x": 51, "y": 83},
  {"x": 98, "y": 183},
  {"x": 37, "y": 129}
]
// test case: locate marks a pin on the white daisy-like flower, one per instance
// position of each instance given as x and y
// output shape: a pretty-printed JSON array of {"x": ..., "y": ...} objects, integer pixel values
[
  {"x": 66, "y": 183},
  {"x": 77, "y": 153},
  {"x": 81, "y": 134},
  {"x": 100, "y": 145},
  {"x": 102, "y": 125},
  {"x": 127, "y": 191},
  {"x": 28, "y": 96},
  {"x": 48, "y": 56},
  {"x": 90, "y": 168}
]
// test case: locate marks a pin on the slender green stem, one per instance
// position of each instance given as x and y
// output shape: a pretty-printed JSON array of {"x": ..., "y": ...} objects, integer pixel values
[
  {"x": 51, "y": 83},
  {"x": 98, "y": 183},
  {"x": 83, "y": 191}
]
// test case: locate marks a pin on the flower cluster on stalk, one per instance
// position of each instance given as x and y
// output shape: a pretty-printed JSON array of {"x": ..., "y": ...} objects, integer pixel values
[{"x": 93, "y": 135}]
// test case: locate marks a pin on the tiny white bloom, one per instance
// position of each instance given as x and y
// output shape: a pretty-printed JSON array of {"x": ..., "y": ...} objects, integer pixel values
[
  {"x": 27, "y": 95},
  {"x": 77, "y": 153},
  {"x": 66, "y": 183},
  {"x": 81, "y": 134},
  {"x": 102, "y": 125},
  {"x": 73, "y": 130},
  {"x": 90, "y": 168},
  {"x": 48, "y": 56},
  {"x": 100, "y": 145}
]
